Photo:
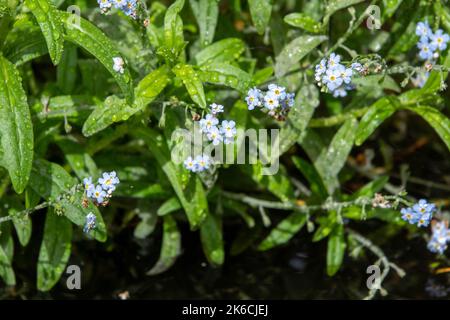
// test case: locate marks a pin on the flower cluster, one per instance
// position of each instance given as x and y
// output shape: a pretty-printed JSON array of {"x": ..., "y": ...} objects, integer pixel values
[
  {"x": 439, "y": 238},
  {"x": 336, "y": 76},
  {"x": 430, "y": 43},
  {"x": 101, "y": 192},
  {"x": 224, "y": 132},
  {"x": 129, "y": 7},
  {"x": 90, "y": 223},
  {"x": 420, "y": 213},
  {"x": 199, "y": 164},
  {"x": 276, "y": 100}
]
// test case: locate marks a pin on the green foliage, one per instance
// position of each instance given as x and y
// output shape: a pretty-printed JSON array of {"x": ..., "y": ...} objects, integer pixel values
[{"x": 67, "y": 113}]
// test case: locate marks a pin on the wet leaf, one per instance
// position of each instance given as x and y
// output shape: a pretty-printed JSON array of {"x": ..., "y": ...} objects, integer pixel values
[
  {"x": 303, "y": 21},
  {"x": 225, "y": 50},
  {"x": 206, "y": 12},
  {"x": 55, "y": 250},
  {"x": 192, "y": 82},
  {"x": 335, "y": 250},
  {"x": 15, "y": 126},
  {"x": 260, "y": 11},
  {"x": 212, "y": 240},
  {"x": 227, "y": 75}
]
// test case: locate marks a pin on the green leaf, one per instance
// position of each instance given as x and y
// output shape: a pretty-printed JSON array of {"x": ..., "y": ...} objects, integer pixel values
[
  {"x": 327, "y": 224},
  {"x": 191, "y": 193},
  {"x": 303, "y": 21},
  {"x": 313, "y": 177},
  {"x": 192, "y": 82},
  {"x": 225, "y": 50},
  {"x": 173, "y": 28},
  {"x": 294, "y": 51},
  {"x": 115, "y": 109},
  {"x": 22, "y": 223},
  {"x": 284, "y": 231},
  {"x": 15, "y": 126},
  {"x": 206, "y": 12},
  {"x": 437, "y": 120},
  {"x": 260, "y": 11},
  {"x": 6, "y": 254},
  {"x": 24, "y": 43},
  {"x": 148, "y": 221},
  {"x": 51, "y": 26},
  {"x": 331, "y": 160},
  {"x": 336, "y": 5},
  {"x": 55, "y": 250},
  {"x": 79, "y": 160},
  {"x": 335, "y": 250},
  {"x": 374, "y": 117},
  {"x": 51, "y": 181},
  {"x": 212, "y": 240},
  {"x": 169, "y": 206},
  {"x": 306, "y": 101},
  {"x": 93, "y": 40},
  {"x": 66, "y": 75},
  {"x": 227, "y": 75},
  {"x": 170, "y": 249}
]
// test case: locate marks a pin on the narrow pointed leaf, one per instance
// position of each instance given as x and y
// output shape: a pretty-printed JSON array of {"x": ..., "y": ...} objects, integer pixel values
[
  {"x": 55, "y": 250},
  {"x": 212, "y": 240},
  {"x": 260, "y": 11},
  {"x": 206, "y": 12},
  {"x": 192, "y": 82},
  {"x": 225, "y": 50},
  {"x": 51, "y": 26},
  {"x": 15, "y": 126},
  {"x": 335, "y": 250}
]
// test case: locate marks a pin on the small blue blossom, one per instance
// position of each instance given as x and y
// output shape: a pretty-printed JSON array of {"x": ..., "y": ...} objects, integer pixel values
[
  {"x": 439, "y": 238},
  {"x": 109, "y": 181},
  {"x": 128, "y": 7},
  {"x": 321, "y": 68},
  {"x": 228, "y": 128},
  {"x": 332, "y": 79},
  {"x": 420, "y": 79},
  {"x": 277, "y": 91},
  {"x": 426, "y": 49},
  {"x": 333, "y": 61},
  {"x": 202, "y": 162},
  {"x": 271, "y": 101},
  {"x": 439, "y": 40},
  {"x": 423, "y": 30},
  {"x": 345, "y": 73},
  {"x": 409, "y": 215},
  {"x": 216, "y": 108},
  {"x": 253, "y": 99},
  {"x": 199, "y": 164},
  {"x": 214, "y": 135},
  {"x": 420, "y": 213},
  {"x": 340, "y": 92},
  {"x": 99, "y": 194},
  {"x": 104, "y": 4},
  {"x": 209, "y": 122},
  {"x": 90, "y": 223},
  {"x": 88, "y": 186}
]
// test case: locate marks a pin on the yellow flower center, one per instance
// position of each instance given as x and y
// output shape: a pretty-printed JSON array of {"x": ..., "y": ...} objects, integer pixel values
[{"x": 332, "y": 78}]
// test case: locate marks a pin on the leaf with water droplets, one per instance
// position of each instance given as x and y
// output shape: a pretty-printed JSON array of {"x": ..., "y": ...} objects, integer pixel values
[
  {"x": 93, "y": 40},
  {"x": 227, "y": 75},
  {"x": 294, "y": 51},
  {"x": 115, "y": 109},
  {"x": 173, "y": 28},
  {"x": 438, "y": 121},
  {"x": 51, "y": 26},
  {"x": 330, "y": 161},
  {"x": 15, "y": 126},
  {"x": 374, "y": 117},
  {"x": 225, "y": 50},
  {"x": 303, "y": 21},
  {"x": 24, "y": 42},
  {"x": 191, "y": 194},
  {"x": 170, "y": 248},
  {"x": 292, "y": 131},
  {"x": 51, "y": 181},
  {"x": 260, "y": 11},
  {"x": 55, "y": 250},
  {"x": 192, "y": 82},
  {"x": 206, "y": 12}
]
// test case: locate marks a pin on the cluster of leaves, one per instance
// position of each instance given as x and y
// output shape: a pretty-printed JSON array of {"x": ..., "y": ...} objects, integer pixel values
[{"x": 82, "y": 116}]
